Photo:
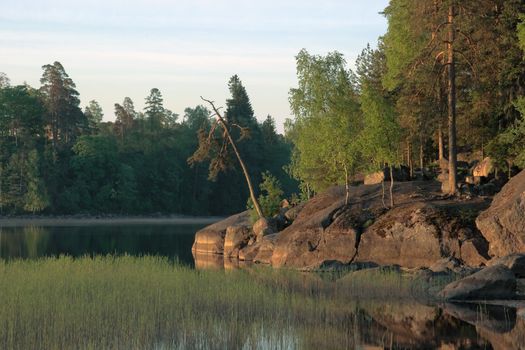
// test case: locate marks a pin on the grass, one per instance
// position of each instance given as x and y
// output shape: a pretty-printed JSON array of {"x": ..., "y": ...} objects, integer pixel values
[{"x": 149, "y": 302}]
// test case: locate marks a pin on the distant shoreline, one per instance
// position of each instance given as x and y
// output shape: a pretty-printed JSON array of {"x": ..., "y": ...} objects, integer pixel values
[{"x": 84, "y": 220}]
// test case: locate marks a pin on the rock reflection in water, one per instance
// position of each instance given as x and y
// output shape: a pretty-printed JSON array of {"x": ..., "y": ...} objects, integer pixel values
[
  {"x": 207, "y": 261},
  {"x": 391, "y": 324}
]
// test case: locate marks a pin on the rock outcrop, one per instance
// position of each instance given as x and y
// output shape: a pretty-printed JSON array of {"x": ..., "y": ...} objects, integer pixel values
[
  {"x": 374, "y": 178},
  {"x": 514, "y": 262},
  {"x": 400, "y": 174},
  {"x": 309, "y": 240},
  {"x": 418, "y": 232},
  {"x": 236, "y": 238},
  {"x": 417, "y": 235},
  {"x": 210, "y": 240},
  {"x": 260, "y": 252},
  {"x": 503, "y": 223},
  {"x": 494, "y": 282},
  {"x": 484, "y": 168}
]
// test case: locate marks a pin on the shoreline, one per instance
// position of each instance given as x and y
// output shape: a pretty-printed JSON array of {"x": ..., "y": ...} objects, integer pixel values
[{"x": 86, "y": 220}]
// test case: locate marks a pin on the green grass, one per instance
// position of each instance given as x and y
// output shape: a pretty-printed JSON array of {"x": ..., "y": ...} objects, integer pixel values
[{"x": 149, "y": 302}]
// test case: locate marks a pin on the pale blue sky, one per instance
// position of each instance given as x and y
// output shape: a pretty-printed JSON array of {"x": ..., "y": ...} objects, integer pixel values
[{"x": 118, "y": 48}]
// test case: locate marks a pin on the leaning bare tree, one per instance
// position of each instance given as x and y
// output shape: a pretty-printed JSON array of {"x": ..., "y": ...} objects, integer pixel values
[{"x": 214, "y": 145}]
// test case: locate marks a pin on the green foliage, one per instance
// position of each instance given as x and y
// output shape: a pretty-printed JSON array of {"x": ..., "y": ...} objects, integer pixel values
[
  {"x": 36, "y": 198},
  {"x": 52, "y": 160},
  {"x": 94, "y": 114},
  {"x": 521, "y": 32},
  {"x": 270, "y": 197},
  {"x": 327, "y": 121},
  {"x": 403, "y": 40},
  {"x": 64, "y": 117},
  {"x": 508, "y": 147},
  {"x": 381, "y": 134}
]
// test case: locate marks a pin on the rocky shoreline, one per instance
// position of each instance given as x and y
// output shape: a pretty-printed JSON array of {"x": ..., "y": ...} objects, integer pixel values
[{"x": 477, "y": 237}]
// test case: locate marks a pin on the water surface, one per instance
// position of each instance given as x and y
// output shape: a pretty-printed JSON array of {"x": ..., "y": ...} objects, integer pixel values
[
  {"x": 173, "y": 240},
  {"x": 305, "y": 311}
]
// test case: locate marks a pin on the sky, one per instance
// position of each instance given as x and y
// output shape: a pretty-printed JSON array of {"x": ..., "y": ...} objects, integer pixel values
[{"x": 186, "y": 48}]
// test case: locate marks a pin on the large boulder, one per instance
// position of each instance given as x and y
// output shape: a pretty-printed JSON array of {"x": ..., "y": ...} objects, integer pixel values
[
  {"x": 309, "y": 240},
  {"x": 484, "y": 168},
  {"x": 515, "y": 262},
  {"x": 400, "y": 174},
  {"x": 210, "y": 240},
  {"x": 418, "y": 235},
  {"x": 262, "y": 228},
  {"x": 494, "y": 282},
  {"x": 503, "y": 223},
  {"x": 374, "y": 178},
  {"x": 236, "y": 238},
  {"x": 259, "y": 252},
  {"x": 292, "y": 213}
]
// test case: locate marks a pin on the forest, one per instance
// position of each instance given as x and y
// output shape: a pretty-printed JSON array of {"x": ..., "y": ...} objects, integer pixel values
[
  {"x": 446, "y": 80},
  {"x": 57, "y": 158}
]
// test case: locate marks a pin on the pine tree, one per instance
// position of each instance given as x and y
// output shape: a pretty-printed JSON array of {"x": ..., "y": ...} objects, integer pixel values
[
  {"x": 64, "y": 117},
  {"x": 154, "y": 110},
  {"x": 94, "y": 114}
]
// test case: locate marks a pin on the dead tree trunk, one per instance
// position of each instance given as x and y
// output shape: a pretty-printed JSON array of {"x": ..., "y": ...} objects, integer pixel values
[
  {"x": 452, "y": 152},
  {"x": 224, "y": 125}
]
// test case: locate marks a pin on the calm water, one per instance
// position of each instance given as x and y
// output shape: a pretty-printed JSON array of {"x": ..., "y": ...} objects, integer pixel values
[
  {"x": 377, "y": 324},
  {"x": 28, "y": 242}
]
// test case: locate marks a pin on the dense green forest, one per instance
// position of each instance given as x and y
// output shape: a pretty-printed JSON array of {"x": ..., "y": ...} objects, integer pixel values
[
  {"x": 56, "y": 158},
  {"x": 446, "y": 83},
  {"x": 446, "y": 79}
]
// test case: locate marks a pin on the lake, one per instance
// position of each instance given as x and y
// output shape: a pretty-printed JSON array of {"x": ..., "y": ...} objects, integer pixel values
[
  {"x": 169, "y": 238},
  {"x": 93, "y": 299}
]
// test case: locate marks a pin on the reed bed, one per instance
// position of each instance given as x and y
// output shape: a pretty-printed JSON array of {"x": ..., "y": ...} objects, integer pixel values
[{"x": 125, "y": 302}]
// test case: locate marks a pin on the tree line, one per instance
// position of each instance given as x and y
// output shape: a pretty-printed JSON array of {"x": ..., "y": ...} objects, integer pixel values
[
  {"x": 447, "y": 78},
  {"x": 56, "y": 158}
]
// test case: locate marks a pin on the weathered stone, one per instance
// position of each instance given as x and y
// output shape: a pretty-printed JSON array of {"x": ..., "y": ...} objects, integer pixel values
[
  {"x": 237, "y": 237},
  {"x": 260, "y": 252},
  {"x": 473, "y": 252},
  {"x": 374, "y": 178},
  {"x": 446, "y": 265},
  {"x": 472, "y": 180},
  {"x": 278, "y": 223},
  {"x": 210, "y": 240},
  {"x": 415, "y": 235},
  {"x": 400, "y": 174},
  {"x": 515, "y": 262},
  {"x": 484, "y": 168},
  {"x": 310, "y": 240},
  {"x": 292, "y": 213},
  {"x": 503, "y": 223},
  {"x": 262, "y": 228},
  {"x": 494, "y": 282}
]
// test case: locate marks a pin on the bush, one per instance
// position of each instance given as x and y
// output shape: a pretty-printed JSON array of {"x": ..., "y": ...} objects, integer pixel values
[{"x": 269, "y": 198}]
